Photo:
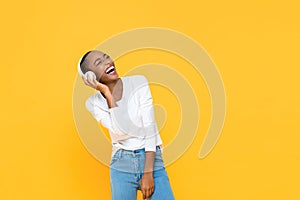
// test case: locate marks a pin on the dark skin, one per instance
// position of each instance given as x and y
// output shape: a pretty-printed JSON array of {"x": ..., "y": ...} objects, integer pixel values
[{"x": 111, "y": 87}]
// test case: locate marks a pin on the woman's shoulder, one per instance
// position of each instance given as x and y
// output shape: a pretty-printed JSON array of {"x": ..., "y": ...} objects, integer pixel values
[
  {"x": 95, "y": 99},
  {"x": 136, "y": 79}
]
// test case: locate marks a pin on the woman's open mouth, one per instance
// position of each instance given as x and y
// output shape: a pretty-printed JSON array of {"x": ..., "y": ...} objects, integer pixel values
[{"x": 110, "y": 69}]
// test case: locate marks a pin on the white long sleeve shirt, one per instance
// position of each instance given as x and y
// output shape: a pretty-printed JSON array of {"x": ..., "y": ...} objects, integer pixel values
[{"x": 131, "y": 124}]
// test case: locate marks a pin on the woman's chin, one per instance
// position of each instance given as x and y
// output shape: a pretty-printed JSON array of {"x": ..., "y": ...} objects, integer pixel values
[
  {"x": 113, "y": 75},
  {"x": 110, "y": 78}
]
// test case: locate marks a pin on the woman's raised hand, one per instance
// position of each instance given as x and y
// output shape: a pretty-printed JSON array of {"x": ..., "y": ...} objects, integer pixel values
[{"x": 89, "y": 78}]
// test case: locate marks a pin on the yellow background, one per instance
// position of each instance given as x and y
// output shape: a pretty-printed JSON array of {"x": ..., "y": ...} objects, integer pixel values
[{"x": 255, "y": 45}]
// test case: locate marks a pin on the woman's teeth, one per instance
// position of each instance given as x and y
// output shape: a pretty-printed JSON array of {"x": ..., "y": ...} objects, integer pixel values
[{"x": 110, "y": 69}]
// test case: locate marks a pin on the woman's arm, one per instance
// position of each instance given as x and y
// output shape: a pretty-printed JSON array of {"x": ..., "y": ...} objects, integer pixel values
[
  {"x": 150, "y": 130},
  {"x": 90, "y": 80},
  {"x": 147, "y": 182},
  {"x": 110, "y": 100}
]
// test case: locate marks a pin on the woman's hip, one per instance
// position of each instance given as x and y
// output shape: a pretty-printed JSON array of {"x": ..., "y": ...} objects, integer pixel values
[{"x": 132, "y": 161}]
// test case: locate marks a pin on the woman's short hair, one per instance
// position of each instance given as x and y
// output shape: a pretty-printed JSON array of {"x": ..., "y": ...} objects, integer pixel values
[{"x": 83, "y": 63}]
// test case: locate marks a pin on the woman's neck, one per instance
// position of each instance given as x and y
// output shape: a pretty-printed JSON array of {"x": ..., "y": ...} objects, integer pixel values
[
  {"x": 116, "y": 88},
  {"x": 114, "y": 84}
]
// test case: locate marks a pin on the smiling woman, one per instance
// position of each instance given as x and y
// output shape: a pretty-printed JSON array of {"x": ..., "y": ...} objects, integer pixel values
[
  {"x": 124, "y": 106},
  {"x": 99, "y": 63}
]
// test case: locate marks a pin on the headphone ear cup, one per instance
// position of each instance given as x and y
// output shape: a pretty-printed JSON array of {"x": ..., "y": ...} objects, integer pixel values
[{"x": 90, "y": 74}]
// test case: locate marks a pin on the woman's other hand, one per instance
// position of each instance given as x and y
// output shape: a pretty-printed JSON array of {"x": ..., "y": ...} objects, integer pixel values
[{"x": 147, "y": 185}]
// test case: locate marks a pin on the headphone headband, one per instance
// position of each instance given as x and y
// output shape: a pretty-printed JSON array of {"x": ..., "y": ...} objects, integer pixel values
[{"x": 79, "y": 69}]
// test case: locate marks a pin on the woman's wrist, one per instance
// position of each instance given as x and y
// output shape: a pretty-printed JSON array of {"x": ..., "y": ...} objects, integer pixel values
[
  {"x": 102, "y": 88},
  {"x": 108, "y": 95},
  {"x": 148, "y": 173},
  {"x": 110, "y": 100},
  {"x": 98, "y": 87}
]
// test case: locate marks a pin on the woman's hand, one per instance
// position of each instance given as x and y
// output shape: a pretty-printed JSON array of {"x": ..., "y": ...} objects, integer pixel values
[
  {"x": 147, "y": 185},
  {"x": 89, "y": 78}
]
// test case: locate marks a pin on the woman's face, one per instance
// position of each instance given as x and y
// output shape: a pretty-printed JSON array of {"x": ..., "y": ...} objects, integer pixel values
[{"x": 103, "y": 66}]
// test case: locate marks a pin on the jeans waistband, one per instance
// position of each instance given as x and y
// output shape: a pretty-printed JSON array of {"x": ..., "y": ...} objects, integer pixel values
[
  {"x": 133, "y": 161},
  {"x": 138, "y": 150}
]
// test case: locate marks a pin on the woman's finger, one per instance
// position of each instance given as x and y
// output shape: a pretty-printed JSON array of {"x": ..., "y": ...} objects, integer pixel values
[
  {"x": 148, "y": 193},
  {"x": 95, "y": 82},
  {"x": 152, "y": 190},
  {"x": 89, "y": 77},
  {"x": 144, "y": 193},
  {"x": 84, "y": 79},
  {"x": 88, "y": 80}
]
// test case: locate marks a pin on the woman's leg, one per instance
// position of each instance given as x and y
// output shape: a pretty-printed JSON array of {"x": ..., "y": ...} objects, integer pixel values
[
  {"x": 123, "y": 176},
  {"x": 162, "y": 187},
  {"x": 126, "y": 170},
  {"x": 123, "y": 186}
]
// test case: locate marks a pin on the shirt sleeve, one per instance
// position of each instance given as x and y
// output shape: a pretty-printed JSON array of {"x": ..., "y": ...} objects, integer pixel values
[
  {"x": 96, "y": 112},
  {"x": 104, "y": 117},
  {"x": 147, "y": 115}
]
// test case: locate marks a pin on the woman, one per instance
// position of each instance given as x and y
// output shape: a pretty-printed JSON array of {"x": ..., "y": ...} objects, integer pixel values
[{"x": 124, "y": 106}]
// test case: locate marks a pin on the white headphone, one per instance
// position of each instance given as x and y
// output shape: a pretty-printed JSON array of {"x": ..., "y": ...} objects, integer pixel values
[{"x": 79, "y": 69}]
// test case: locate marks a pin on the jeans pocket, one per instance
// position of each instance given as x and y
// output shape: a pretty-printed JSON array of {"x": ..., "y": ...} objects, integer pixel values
[
  {"x": 158, "y": 157},
  {"x": 112, "y": 161},
  {"x": 115, "y": 157}
]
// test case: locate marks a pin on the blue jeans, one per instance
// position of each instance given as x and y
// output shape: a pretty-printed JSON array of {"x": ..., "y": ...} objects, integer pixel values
[{"x": 126, "y": 171}]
